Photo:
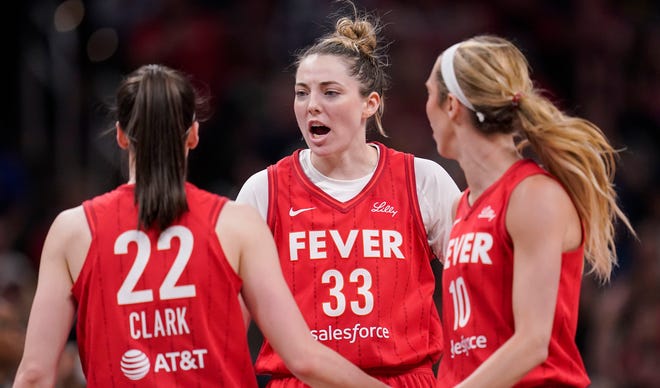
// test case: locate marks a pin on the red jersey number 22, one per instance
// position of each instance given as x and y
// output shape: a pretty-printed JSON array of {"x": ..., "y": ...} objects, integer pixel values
[{"x": 168, "y": 289}]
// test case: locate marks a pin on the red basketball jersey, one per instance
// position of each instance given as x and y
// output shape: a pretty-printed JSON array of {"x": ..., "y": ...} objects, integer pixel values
[
  {"x": 477, "y": 292},
  {"x": 159, "y": 309},
  {"x": 359, "y": 270}
]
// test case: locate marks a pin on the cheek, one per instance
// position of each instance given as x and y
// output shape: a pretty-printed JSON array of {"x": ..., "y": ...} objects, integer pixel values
[
  {"x": 300, "y": 112},
  {"x": 433, "y": 109},
  {"x": 435, "y": 118},
  {"x": 438, "y": 121},
  {"x": 428, "y": 108},
  {"x": 298, "y": 108}
]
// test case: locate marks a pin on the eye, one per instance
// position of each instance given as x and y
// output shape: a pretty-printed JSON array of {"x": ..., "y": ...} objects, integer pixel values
[
  {"x": 300, "y": 93},
  {"x": 331, "y": 93}
]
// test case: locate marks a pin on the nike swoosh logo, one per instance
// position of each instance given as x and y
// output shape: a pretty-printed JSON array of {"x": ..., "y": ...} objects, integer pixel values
[{"x": 294, "y": 213}]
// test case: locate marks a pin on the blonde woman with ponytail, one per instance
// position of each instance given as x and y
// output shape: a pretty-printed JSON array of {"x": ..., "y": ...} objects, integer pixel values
[{"x": 524, "y": 227}]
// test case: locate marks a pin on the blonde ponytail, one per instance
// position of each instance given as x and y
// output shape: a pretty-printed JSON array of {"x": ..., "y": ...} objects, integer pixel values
[{"x": 494, "y": 76}]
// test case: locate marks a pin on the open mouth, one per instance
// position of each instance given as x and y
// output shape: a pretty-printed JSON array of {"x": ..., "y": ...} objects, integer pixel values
[{"x": 319, "y": 130}]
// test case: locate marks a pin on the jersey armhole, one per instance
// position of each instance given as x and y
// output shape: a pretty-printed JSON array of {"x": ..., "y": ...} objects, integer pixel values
[
  {"x": 215, "y": 210},
  {"x": 409, "y": 162},
  {"x": 90, "y": 214},
  {"x": 91, "y": 218},
  {"x": 272, "y": 189}
]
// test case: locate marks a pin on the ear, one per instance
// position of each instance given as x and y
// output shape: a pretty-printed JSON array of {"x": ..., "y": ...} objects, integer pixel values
[
  {"x": 193, "y": 135},
  {"x": 453, "y": 105},
  {"x": 372, "y": 105},
  {"x": 122, "y": 139}
]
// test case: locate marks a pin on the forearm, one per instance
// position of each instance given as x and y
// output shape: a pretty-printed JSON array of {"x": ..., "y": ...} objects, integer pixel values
[
  {"x": 329, "y": 369},
  {"x": 34, "y": 376},
  {"x": 510, "y": 363}
]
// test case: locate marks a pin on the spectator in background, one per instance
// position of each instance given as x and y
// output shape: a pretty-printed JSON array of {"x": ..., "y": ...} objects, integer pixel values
[
  {"x": 17, "y": 280},
  {"x": 17, "y": 276}
]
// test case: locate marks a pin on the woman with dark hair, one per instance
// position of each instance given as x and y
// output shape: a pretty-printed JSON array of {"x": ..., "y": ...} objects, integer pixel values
[{"x": 155, "y": 267}]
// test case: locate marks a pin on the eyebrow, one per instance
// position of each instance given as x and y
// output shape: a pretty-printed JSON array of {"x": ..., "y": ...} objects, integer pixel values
[{"x": 324, "y": 83}]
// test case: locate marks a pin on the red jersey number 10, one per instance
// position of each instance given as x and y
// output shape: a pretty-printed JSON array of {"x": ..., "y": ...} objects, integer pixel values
[{"x": 461, "y": 300}]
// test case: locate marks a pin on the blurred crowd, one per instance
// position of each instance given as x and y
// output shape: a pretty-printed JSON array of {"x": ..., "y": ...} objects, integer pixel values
[{"x": 599, "y": 59}]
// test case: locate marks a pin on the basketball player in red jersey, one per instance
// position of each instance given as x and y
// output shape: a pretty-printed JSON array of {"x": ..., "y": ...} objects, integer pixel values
[
  {"x": 155, "y": 268},
  {"x": 355, "y": 222},
  {"x": 514, "y": 262}
]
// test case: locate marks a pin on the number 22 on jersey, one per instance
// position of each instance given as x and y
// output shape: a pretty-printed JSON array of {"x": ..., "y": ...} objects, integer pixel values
[{"x": 168, "y": 289}]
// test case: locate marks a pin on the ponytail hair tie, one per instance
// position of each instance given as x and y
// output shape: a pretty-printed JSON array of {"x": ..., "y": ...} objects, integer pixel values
[{"x": 515, "y": 100}]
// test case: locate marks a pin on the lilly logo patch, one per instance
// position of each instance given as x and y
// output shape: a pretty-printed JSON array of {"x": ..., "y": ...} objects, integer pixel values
[
  {"x": 384, "y": 207},
  {"x": 487, "y": 213}
]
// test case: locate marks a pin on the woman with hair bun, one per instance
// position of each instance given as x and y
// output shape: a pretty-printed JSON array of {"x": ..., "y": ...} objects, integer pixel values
[
  {"x": 523, "y": 227},
  {"x": 356, "y": 223}
]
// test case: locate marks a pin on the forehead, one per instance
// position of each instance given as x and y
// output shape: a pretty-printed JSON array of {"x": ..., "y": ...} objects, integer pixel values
[
  {"x": 432, "y": 80},
  {"x": 317, "y": 68}
]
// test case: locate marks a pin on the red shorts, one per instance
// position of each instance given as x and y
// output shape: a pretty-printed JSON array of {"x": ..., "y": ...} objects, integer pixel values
[{"x": 416, "y": 378}]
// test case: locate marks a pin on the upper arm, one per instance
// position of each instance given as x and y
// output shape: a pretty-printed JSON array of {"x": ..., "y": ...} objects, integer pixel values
[
  {"x": 53, "y": 307},
  {"x": 437, "y": 194},
  {"x": 541, "y": 221},
  {"x": 249, "y": 244}
]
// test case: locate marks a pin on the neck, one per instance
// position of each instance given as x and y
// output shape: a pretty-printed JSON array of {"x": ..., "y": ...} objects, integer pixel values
[
  {"x": 131, "y": 168},
  {"x": 349, "y": 164},
  {"x": 486, "y": 160},
  {"x": 131, "y": 172}
]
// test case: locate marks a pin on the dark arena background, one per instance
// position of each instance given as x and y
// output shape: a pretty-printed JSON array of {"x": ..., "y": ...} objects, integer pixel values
[{"x": 62, "y": 60}]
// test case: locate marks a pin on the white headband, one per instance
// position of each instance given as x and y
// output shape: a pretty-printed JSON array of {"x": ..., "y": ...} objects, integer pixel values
[{"x": 448, "y": 75}]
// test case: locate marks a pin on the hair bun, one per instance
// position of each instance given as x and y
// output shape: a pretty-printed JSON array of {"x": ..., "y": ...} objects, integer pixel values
[{"x": 361, "y": 34}]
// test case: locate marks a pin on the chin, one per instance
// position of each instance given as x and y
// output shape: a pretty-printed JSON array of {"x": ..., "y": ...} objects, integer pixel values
[{"x": 318, "y": 148}]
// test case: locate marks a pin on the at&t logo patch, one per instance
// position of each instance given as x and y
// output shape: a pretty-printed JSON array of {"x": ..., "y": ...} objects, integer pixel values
[{"x": 135, "y": 364}]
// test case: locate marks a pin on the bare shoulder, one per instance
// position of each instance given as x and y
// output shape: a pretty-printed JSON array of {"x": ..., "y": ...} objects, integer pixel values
[
  {"x": 540, "y": 192},
  {"x": 240, "y": 223},
  {"x": 68, "y": 240},
  {"x": 540, "y": 206},
  {"x": 238, "y": 216},
  {"x": 238, "y": 226},
  {"x": 71, "y": 224}
]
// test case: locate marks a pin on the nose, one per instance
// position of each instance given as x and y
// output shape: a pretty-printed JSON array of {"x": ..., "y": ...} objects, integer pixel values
[{"x": 313, "y": 103}]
